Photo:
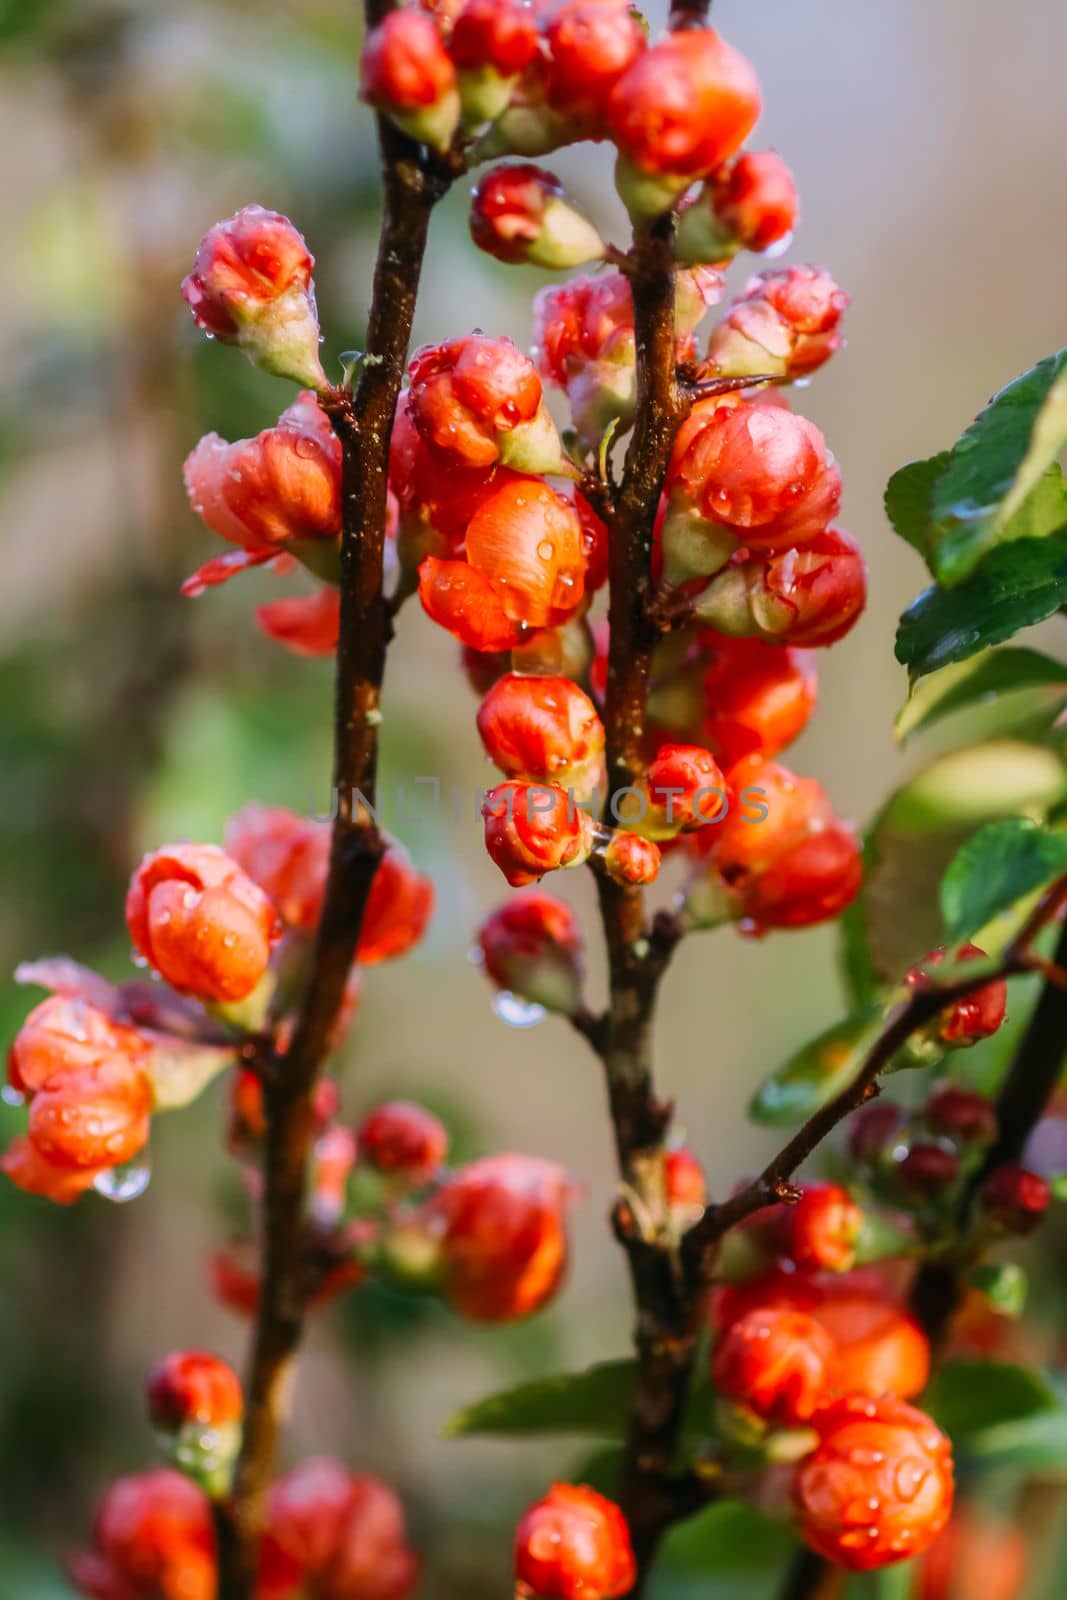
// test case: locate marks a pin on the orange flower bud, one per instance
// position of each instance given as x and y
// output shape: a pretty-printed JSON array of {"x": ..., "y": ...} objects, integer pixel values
[
  {"x": 777, "y": 1362},
  {"x": 807, "y": 596},
  {"x": 532, "y": 828},
  {"x": 287, "y": 855},
  {"x": 686, "y": 789},
  {"x": 880, "y": 1347},
  {"x": 93, "y": 1117},
  {"x": 879, "y": 1487},
  {"x": 631, "y": 859},
  {"x": 66, "y": 1034},
  {"x": 154, "y": 1536},
  {"x": 784, "y": 325},
  {"x": 543, "y": 728},
  {"x": 28, "y": 1170},
  {"x": 251, "y": 286},
  {"x": 408, "y": 73},
  {"x": 758, "y": 697},
  {"x": 503, "y": 1236},
  {"x": 590, "y": 45},
  {"x": 824, "y": 1226},
  {"x": 403, "y": 1140},
  {"x": 480, "y": 399},
  {"x": 398, "y": 909},
  {"x": 200, "y": 921},
  {"x": 755, "y": 199},
  {"x": 342, "y": 1534},
  {"x": 573, "y": 1545},
  {"x": 190, "y": 1386},
  {"x": 532, "y": 947},
  {"x": 687, "y": 1186}
]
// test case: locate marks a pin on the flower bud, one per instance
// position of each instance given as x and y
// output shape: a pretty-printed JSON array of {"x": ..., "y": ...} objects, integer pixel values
[
  {"x": 811, "y": 597},
  {"x": 573, "y": 1545},
  {"x": 777, "y": 1362},
  {"x": 757, "y": 697},
  {"x": 403, "y": 1140},
  {"x": 196, "y": 1405},
  {"x": 153, "y": 1536},
  {"x": 879, "y": 1346},
  {"x": 531, "y": 829},
  {"x": 408, "y": 74},
  {"x": 532, "y": 946},
  {"x": 781, "y": 859},
  {"x": 201, "y": 922},
  {"x": 686, "y": 790},
  {"x": 928, "y": 1170},
  {"x": 272, "y": 493},
  {"x": 398, "y": 908},
  {"x": 543, "y": 728},
  {"x": 631, "y": 859},
  {"x": 974, "y": 1017},
  {"x": 308, "y": 625},
  {"x": 480, "y": 399},
  {"x": 750, "y": 204},
  {"x": 502, "y": 1236},
  {"x": 884, "y": 1459},
  {"x": 29, "y": 1171},
  {"x": 520, "y": 214},
  {"x": 251, "y": 286},
  {"x": 824, "y": 1227},
  {"x": 66, "y": 1034},
  {"x": 1014, "y": 1200},
  {"x": 873, "y": 1131},
  {"x": 287, "y": 855},
  {"x": 687, "y": 1185},
  {"x": 333, "y": 1156},
  {"x": 492, "y": 44},
  {"x": 343, "y": 1535},
  {"x": 682, "y": 109},
  {"x": 785, "y": 325},
  {"x": 591, "y": 43},
  {"x": 960, "y": 1114},
  {"x": 93, "y": 1117},
  {"x": 524, "y": 569}
]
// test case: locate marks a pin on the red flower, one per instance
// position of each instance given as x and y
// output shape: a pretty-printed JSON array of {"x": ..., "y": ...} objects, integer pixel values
[
  {"x": 200, "y": 921},
  {"x": 343, "y": 1534},
  {"x": 542, "y": 728},
  {"x": 308, "y": 625},
  {"x": 403, "y": 1139},
  {"x": 524, "y": 569},
  {"x": 532, "y": 946},
  {"x": 776, "y": 1361},
  {"x": 287, "y": 855},
  {"x": 480, "y": 399},
  {"x": 503, "y": 1236},
  {"x": 398, "y": 908},
  {"x": 408, "y": 74},
  {"x": 153, "y": 1537},
  {"x": 191, "y": 1386},
  {"x": 280, "y": 487},
  {"x": 974, "y": 1017},
  {"x": 786, "y": 324},
  {"x": 824, "y": 1226},
  {"x": 574, "y": 1545},
  {"x": 685, "y": 106},
  {"x": 758, "y": 697},
  {"x": 251, "y": 286},
  {"x": 531, "y": 829},
  {"x": 883, "y": 1459}
]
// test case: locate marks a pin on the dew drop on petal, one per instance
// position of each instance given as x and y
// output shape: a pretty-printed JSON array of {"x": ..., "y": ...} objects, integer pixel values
[
  {"x": 11, "y": 1096},
  {"x": 127, "y": 1182},
  {"x": 517, "y": 1012}
]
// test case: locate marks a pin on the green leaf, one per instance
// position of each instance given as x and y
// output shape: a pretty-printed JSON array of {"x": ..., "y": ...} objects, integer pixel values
[
  {"x": 982, "y": 677},
  {"x": 817, "y": 1072},
  {"x": 1037, "y": 1443},
  {"x": 896, "y": 917},
  {"x": 968, "y": 1397},
  {"x": 995, "y": 467},
  {"x": 1015, "y": 586},
  {"x": 909, "y": 498},
  {"x": 1058, "y": 1185},
  {"x": 596, "y": 1401},
  {"x": 730, "y": 1536},
  {"x": 1004, "y": 1284},
  {"x": 999, "y": 866},
  {"x": 896, "y": 1582}
]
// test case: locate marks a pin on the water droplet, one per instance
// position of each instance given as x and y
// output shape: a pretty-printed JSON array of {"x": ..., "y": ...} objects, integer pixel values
[
  {"x": 779, "y": 247},
  {"x": 11, "y": 1096},
  {"x": 127, "y": 1182},
  {"x": 517, "y": 1012}
]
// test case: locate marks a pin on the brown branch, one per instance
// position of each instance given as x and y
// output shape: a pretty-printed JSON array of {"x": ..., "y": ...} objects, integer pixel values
[{"x": 363, "y": 424}]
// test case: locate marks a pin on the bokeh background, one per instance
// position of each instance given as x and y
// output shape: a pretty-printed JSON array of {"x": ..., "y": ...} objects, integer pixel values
[{"x": 928, "y": 144}]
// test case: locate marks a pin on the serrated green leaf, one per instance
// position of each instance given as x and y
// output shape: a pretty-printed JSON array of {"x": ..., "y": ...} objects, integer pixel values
[
  {"x": 968, "y": 1397},
  {"x": 596, "y": 1401},
  {"x": 1015, "y": 586},
  {"x": 999, "y": 866},
  {"x": 896, "y": 917},
  {"x": 994, "y": 469},
  {"x": 817, "y": 1072},
  {"x": 1004, "y": 1284},
  {"x": 965, "y": 683},
  {"x": 909, "y": 498}
]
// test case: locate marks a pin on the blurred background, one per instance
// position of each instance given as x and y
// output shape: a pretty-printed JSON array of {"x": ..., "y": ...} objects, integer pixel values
[{"x": 927, "y": 141}]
